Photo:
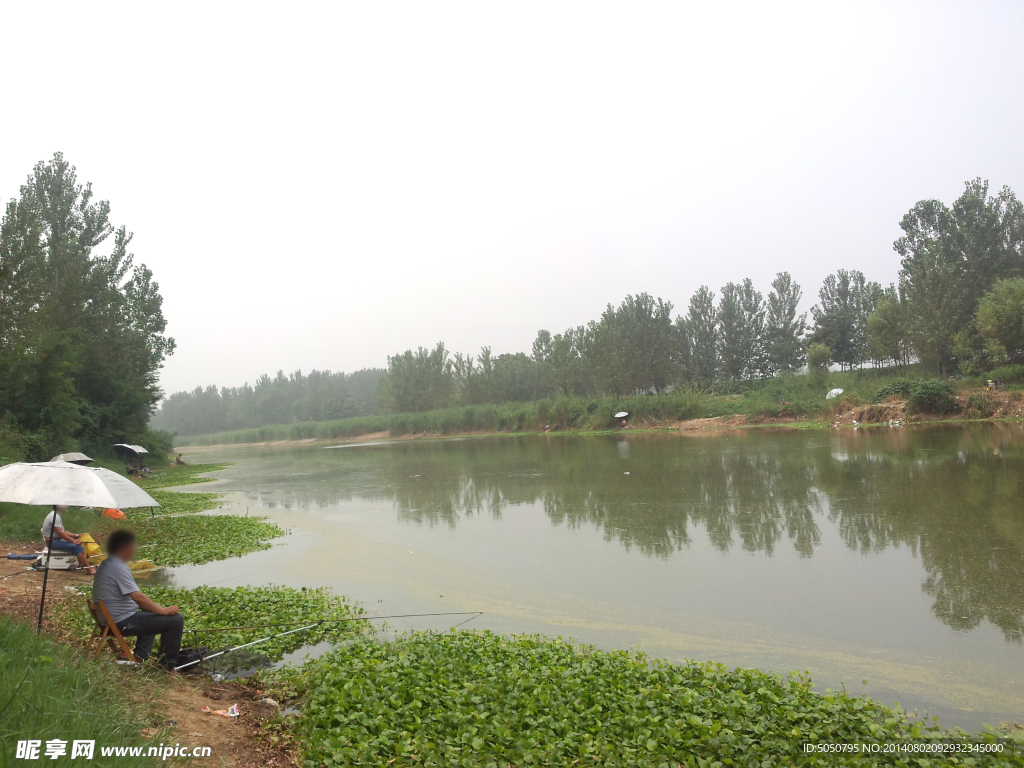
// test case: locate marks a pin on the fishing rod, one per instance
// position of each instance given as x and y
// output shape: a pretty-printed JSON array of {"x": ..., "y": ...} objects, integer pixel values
[{"x": 472, "y": 614}]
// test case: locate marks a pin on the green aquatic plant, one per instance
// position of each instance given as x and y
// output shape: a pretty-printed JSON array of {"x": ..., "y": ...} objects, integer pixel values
[
  {"x": 260, "y": 611},
  {"x": 195, "y": 539},
  {"x": 176, "y": 503},
  {"x": 480, "y": 699},
  {"x": 177, "y": 474}
]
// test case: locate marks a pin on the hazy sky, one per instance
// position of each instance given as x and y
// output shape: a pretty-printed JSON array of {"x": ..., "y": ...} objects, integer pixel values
[{"x": 321, "y": 185}]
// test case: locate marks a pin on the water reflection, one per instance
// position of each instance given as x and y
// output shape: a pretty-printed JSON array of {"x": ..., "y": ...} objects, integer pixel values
[{"x": 953, "y": 496}]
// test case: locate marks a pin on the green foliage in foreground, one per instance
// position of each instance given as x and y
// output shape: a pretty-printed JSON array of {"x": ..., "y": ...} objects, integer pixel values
[
  {"x": 216, "y": 607},
  {"x": 176, "y": 474},
  {"x": 476, "y": 698},
  {"x": 64, "y": 696},
  {"x": 196, "y": 539}
]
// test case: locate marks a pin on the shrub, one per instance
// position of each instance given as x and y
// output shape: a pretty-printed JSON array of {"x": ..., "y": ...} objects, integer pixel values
[
  {"x": 979, "y": 406},
  {"x": 819, "y": 357},
  {"x": 932, "y": 396},
  {"x": 897, "y": 387}
]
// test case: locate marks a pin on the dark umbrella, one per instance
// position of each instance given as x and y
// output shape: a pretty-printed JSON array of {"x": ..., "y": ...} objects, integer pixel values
[{"x": 127, "y": 451}]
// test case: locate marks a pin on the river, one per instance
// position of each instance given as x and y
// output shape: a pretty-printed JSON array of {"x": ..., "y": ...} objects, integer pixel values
[{"x": 886, "y": 560}]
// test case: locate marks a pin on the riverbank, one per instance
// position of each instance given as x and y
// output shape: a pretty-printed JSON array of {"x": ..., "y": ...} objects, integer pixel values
[{"x": 968, "y": 404}]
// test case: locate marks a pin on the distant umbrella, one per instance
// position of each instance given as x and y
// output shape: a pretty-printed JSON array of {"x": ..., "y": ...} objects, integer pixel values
[
  {"x": 73, "y": 458},
  {"x": 833, "y": 393},
  {"x": 126, "y": 451},
  {"x": 621, "y": 414}
]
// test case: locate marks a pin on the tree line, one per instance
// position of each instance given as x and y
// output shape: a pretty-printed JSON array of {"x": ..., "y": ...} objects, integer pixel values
[
  {"x": 82, "y": 330},
  {"x": 957, "y": 307},
  {"x": 316, "y": 396}
]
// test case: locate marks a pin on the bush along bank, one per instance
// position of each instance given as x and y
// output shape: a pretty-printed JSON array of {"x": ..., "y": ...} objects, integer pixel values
[{"x": 478, "y": 699}]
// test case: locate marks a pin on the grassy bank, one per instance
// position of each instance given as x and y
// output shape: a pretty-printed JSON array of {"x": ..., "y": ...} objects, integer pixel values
[
  {"x": 479, "y": 699},
  {"x": 51, "y": 690},
  {"x": 785, "y": 398}
]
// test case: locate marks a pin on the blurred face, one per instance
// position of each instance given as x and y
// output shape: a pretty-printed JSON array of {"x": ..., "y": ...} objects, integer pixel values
[
  {"x": 127, "y": 552},
  {"x": 61, "y": 509}
]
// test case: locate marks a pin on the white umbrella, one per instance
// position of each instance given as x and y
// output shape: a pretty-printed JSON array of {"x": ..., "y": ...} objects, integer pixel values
[
  {"x": 833, "y": 393},
  {"x": 73, "y": 458},
  {"x": 59, "y": 482},
  {"x": 621, "y": 414}
]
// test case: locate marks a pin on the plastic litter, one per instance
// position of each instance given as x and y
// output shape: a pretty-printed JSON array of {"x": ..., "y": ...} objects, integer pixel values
[{"x": 231, "y": 711}]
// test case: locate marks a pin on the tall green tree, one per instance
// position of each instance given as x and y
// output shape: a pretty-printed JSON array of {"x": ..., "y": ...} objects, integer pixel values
[
  {"x": 888, "y": 329},
  {"x": 89, "y": 323},
  {"x": 784, "y": 328},
  {"x": 701, "y": 328},
  {"x": 741, "y": 327},
  {"x": 949, "y": 258},
  {"x": 841, "y": 317},
  {"x": 1000, "y": 318},
  {"x": 632, "y": 346},
  {"x": 418, "y": 381}
]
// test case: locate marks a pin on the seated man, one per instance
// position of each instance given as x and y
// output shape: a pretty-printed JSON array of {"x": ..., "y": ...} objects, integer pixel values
[
  {"x": 179, "y": 461},
  {"x": 134, "y": 613},
  {"x": 63, "y": 541}
]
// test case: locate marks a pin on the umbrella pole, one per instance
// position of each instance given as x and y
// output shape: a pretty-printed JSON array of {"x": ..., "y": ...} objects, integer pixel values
[{"x": 46, "y": 571}]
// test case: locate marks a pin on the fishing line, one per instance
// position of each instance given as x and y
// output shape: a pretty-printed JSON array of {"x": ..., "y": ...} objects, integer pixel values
[{"x": 472, "y": 614}]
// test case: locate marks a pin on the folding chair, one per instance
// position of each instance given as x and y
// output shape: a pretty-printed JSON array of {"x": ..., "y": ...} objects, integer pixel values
[{"x": 108, "y": 632}]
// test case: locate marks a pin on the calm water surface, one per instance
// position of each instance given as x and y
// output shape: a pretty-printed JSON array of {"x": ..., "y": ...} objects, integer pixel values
[{"x": 892, "y": 556}]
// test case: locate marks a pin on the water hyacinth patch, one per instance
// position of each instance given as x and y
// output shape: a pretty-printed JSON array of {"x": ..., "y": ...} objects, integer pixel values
[
  {"x": 176, "y": 474},
  {"x": 175, "y": 503},
  {"x": 480, "y": 699},
  {"x": 218, "y": 607},
  {"x": 196, "y": 539}
]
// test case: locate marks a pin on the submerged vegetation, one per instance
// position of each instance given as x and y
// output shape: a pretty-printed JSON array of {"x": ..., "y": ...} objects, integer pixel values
[{"x": 480, "y": 699}]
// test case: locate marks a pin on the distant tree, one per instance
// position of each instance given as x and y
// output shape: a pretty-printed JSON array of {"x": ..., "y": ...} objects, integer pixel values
[
  {"x": 632, "y": 347},
  {"x": 1000, "y": 318},
  {"x": 701, "y": 326},
  {"x": 417, "y": 381},
  {"x": 840, "y": 320},
  {"x": 888, "y": 336},
  {"x": 741, "y": 328},
  {"x": 732, "y": 350},
  {"x": 570, "y": 365},
  {"x": 819, "y": 358},
  {"x": 784, "y": 328},
  {"x": 949, "y": 258},
  {"x": 542, "y": 346}
]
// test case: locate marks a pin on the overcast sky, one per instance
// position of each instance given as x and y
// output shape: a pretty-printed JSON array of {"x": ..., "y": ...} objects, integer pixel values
[{"x": 321, "y": 185}]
